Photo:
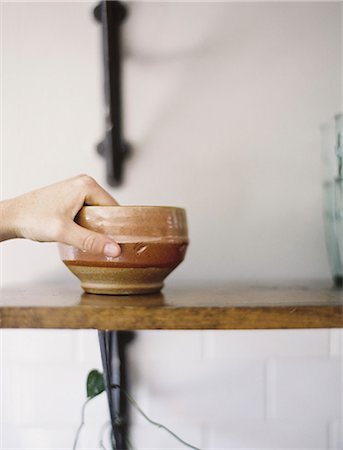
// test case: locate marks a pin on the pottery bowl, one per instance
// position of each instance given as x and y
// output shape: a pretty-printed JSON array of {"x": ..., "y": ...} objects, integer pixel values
[{"x": 153, "y": 241}]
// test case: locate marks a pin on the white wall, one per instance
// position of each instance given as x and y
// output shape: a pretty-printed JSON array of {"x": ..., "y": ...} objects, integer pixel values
[{"x": 223, "y": 115}]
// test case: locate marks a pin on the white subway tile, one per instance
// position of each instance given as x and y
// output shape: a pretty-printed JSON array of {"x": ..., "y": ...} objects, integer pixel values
[
  {"x": 148, "y": 437},
  {"x": 141, "y": 394},
  {"x": 87, "y": 347},
  {"x": 336, "y": 434},
  {"x": 96, "y": 416},
  {"x": 305, "y": 388},
  {"x": 10, "y": 397},
  {"x": 203, "y": 391},
  {"x": 266, "y": 343},
  {"x": 61, "y": 436},
  {"x": 39, "y": 345},
  {"x": 31, "y": 438},
  {"x": 92, "y": 434},
  {"x": 97, "y": 411},
  {"x": 43, "y": 394},
  {"x": 247, "y": 435},
  {"x": 336, "y": 343},
  {"x": 167, "y": 345}
]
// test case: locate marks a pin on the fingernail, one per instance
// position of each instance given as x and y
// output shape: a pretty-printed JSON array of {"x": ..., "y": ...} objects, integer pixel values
[{"x": 111, "y": 249}]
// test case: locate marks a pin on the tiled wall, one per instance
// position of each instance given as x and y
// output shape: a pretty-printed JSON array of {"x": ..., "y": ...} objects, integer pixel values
[
  {"x": 227, "y": 109},
  {"x": 265, "y": 389},
  {"x": 216, "y": 389},
  {"x": 44, "y": 379}
]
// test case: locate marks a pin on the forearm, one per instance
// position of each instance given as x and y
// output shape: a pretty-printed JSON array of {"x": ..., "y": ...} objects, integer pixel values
[{"x": 8, "y": 225}]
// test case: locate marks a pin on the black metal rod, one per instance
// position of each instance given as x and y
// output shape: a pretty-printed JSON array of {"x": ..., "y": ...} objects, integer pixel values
[
  {"x": 113, "y": 346},
  {"x": 110, "y": 363},
  {"x": 111, "y": 14}
]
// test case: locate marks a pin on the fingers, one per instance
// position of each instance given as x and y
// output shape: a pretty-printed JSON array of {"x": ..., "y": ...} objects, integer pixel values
[
  {"x": 47, "y": 215},
  {"x": 94, "y": 194},
  {"x": 90, "y": 241}
]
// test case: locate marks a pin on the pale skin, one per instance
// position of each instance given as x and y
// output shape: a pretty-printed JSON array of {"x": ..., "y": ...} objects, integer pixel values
[{"x": 47, "y": 215}]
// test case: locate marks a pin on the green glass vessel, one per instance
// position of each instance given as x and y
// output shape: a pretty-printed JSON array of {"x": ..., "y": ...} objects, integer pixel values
[{"x": 332, "y": 150}]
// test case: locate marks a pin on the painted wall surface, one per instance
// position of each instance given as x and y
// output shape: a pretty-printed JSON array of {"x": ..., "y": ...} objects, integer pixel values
[{"x": 223, "y": 103}]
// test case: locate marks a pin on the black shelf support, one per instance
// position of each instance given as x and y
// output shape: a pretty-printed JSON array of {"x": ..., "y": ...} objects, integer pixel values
[
  {"x": 113, "y": 347},
  {"x": 111, "y": 15}
]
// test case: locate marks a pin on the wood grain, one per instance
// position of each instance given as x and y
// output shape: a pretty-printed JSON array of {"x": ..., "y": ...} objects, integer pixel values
[{"x": 192, "y": 306}]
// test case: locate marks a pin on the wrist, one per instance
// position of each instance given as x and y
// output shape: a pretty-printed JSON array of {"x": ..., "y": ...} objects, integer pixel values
[{"x": 8, "y": 222}]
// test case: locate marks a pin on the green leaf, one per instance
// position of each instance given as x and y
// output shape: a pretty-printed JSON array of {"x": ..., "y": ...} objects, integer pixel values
[{"x": 95, "y": 383}]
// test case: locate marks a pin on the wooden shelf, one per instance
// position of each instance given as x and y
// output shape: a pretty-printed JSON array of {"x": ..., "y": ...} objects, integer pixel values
[{"x": 210, "y": 306}]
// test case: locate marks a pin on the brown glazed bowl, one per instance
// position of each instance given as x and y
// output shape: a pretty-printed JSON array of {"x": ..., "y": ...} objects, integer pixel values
[{"x": 153, "y": 241}]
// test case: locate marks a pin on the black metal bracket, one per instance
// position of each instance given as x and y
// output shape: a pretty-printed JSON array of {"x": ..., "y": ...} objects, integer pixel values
[
  {"x": 111, "y": 15},
  {"x": 113, "y": 355}
]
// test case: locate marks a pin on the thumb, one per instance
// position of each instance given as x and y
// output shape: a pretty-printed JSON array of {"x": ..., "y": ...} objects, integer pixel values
[{"x": 90, "y": 241}]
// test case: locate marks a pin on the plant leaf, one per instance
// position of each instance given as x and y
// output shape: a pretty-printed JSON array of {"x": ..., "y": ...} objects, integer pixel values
[{"x": 95, "y": 383}]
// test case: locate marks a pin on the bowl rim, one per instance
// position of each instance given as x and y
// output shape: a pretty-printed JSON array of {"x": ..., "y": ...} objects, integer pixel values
[{"x": 146, "y": 207}]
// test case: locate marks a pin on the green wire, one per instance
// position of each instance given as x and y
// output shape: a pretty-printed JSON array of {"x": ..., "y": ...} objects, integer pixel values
[
  {"x": 82, "y": 422},
  {"x": 158, "y": 425},
  {"x": 135, "y": 405}
]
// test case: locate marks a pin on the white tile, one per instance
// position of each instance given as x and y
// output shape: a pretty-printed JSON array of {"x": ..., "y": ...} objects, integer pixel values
[
  {"x": 306, "y": 388},
  {"x": 279, "y": 435},
  {"x": 196, "y": 391},
  {"x": 167, "y": 345},
  {"x": 39, "y": 345},
  {"x": 32, "y": 438},
  {"x": 44, "y": 394},
  {"x": 148, "y": 437},
  {"x": 96, "y": 417},
  {"x": 140, "y": 394},
  {"x": 266, "y": 343},
  {"x": 87, "y": 347},
  {"x": 336, "y": 343},
  {"x": 92, "y": 435},
  {"x": 97, "y": 411},
  {"x": 336, "y": 434},
  {"x": 10, "y": 396}
]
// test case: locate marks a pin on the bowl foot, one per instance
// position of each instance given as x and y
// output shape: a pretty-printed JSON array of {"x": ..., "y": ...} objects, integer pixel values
[{"x": 119, "y": 280}]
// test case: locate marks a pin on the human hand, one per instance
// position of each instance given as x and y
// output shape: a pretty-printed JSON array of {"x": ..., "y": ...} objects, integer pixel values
[{"x": 47, "y": 215}]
